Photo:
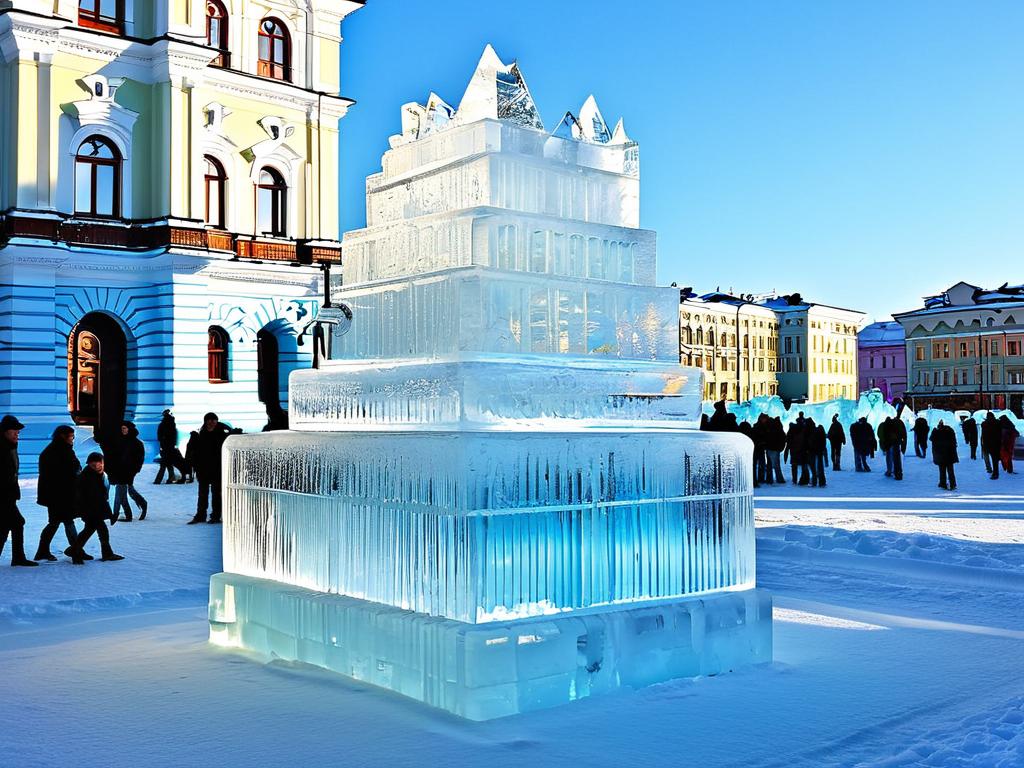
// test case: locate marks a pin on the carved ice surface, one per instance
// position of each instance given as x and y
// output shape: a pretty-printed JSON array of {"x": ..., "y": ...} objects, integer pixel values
[{"x": 494, "y": 498}]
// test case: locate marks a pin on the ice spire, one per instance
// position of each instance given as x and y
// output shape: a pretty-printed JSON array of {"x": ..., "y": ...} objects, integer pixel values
[
  {"x": 592, "y": 123},
  {"x": 499, "y": 92},
  {"x": 568, "y": 128},
  {"x": 619, "y": 135}
]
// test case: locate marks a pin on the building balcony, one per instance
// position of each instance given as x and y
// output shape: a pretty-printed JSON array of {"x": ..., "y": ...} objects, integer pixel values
[{"x": 152, "y": 235}]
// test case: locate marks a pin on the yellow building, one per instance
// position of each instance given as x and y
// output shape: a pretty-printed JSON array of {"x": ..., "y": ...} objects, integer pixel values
[
  {"x": 817, "y": 350},
  {"x": 168, "y": 196},
  {"x": 734, "y": 340}
]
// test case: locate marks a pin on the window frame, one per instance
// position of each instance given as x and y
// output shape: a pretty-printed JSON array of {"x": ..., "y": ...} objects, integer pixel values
[
  {"x": 217, "y": 355},
  {"x": 221, "y": 179},
  {"x": 116, "y": 162},
  {"x": 278, "y": 203},
  {"x": 269, "y": 67},
  {"x": 223, "y": 58},
  {"x": 93, "y": 18}
]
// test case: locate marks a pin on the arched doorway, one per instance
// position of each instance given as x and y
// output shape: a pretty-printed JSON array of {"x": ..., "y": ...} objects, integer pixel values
[
  {"x": 97, "y": 372},
  {"x": 268, "y": 376}
]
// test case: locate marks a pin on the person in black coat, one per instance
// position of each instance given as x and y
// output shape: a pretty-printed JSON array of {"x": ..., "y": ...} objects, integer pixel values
[
  {"x": 58, "y": 471},
  {"x": 970, "y": 430},
  {"x": 896, "y": 440},
  {"x": 836, "y": 440},
  {"x": 862, "y": 436},
  {"x": 817, "y": 452},
  {"x": 991, "y": 443},
  {"x": 92, "y": 499},
  {"x": 204, "y": 454},
  {"x": 126, "y": 455},
  {"x": 921, "y": 431},
  {"x": 170, "y": 457},
  {"x": 944, "y": 454},
  {"x": 796, "y": 444},
  {"x": 11, "y": 522}
]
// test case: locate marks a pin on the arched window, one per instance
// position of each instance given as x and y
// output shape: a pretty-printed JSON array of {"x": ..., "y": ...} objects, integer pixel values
[
  {"x": 217, "y": 355},
  {"x": 98, "y": 178},
  {"x": 216, "y": 181},
  {"x": 275, "y": 51},
  {"x": 271, "y": 204},
  {"x": 105, "y": 15},
  {"x": 217, "y": 32}
]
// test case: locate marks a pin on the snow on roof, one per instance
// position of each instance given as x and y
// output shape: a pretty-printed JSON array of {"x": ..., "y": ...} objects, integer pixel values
[
  {"x": 965, "y": 294},
  {"x": 885, "y": 333}
]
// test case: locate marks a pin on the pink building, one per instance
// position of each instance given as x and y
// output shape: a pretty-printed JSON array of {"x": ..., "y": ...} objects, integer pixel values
[{"x": 882, "y": 359}]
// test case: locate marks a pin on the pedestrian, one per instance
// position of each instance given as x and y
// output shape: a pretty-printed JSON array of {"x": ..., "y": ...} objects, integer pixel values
[
  {"x": 1008, "y": 440},
  {"x": 944, "y": 454},
  {"x": 921, "y": 431},
  {"x": 836, "y": 440},
  {"x": 817, "y": 453},
  {"x": 760, "y": 434},
  {"x": 11, "y": 522},
  {"x": 992, "y": 443},
  {"x": 170, "y": 457},
  {"x": 862, "y": 436},
  {"x": 58, "y": 472},
  {"x": 795, "y": 447},
  {"x": 775, "y": 444},
  {"x": 126, "y": 457},
  {"x": 204, "y": 454},
  {"x": 970, "y": 430},
  {"x": 892, "y": 438},
  {"x": 92, "y": 499},
  {"x": 900, "y": 433}
]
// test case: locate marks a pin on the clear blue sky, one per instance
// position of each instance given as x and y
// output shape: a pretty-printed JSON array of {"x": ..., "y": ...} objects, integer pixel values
[{"x": 862, "y": 153}]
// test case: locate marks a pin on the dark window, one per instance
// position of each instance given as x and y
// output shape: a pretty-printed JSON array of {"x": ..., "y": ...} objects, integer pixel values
[
  {"x": 275, "y": 51},
  {"x": 217, "y": 355},
  {"x": 216, "y": 181},
  {"x": 217, "y": 32},
  {"x": 98, "y": 179},
  {"x": 271, "y": 204},
  {"x": 106, "y": 15}
]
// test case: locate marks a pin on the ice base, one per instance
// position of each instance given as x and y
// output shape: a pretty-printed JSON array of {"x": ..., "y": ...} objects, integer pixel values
[{"x": 482, "y": 672}]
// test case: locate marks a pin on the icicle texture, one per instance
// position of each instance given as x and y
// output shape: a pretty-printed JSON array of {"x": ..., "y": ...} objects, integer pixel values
[{"x": 479, "y": 527}]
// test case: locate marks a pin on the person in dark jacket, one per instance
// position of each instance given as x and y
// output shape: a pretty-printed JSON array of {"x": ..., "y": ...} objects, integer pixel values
[
  {"x": 1008, "y": 441},
  {"x": 759, "y": 434},
  {"x": 817, "y": 452},
  {"x": 721, "y": 420},
  {"x": 991, "y": 442},
  {"x": 204, "y": 454},
  {"x": 796, "y": 444},
  {"x": 836, "y": 440},
  {"x": 944, "y": 454},
  {"x": 170, "y": 457},
  {"x": 892, "y": 438},
  {"x": 775, "y": 444},
  {"x": 58, "y": 472},
  {"x": 900, "y": 431},
  {"x": 92, "y": 499},
  {"x": 970, "y": 430},
  {"x": 11, "y": 522},
  {"x": 921, "y": 431},
  {"x": 126, "y": 455},
  {"x": 862, "y": 436}
]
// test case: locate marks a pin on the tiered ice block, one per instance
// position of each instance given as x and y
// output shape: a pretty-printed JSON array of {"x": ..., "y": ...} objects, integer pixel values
[
  {"x": 478, "y": 391},
  {"x": 481, "y": 672},
  {"x": 488, "y": 526}
]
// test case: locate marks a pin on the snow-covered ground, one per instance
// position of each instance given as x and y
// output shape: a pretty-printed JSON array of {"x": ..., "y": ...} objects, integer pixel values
[{"x": 899, "y": 640}]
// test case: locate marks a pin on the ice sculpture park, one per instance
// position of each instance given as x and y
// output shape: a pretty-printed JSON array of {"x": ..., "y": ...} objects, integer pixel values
[{"x": 493, "y": 498}]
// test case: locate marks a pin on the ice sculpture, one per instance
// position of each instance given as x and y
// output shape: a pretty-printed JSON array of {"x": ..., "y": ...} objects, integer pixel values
[{"x": 494, "y": 498}]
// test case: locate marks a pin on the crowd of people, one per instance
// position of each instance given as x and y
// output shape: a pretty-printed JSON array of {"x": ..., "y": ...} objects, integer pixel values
[
  {"x": 69, "y": 492},
  {"x": 809, "y": 448}
]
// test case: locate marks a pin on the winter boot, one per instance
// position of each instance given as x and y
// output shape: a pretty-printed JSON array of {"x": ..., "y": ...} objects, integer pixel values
[
  {"x": 199, "y": 518},
  {"x": 143, "y": 507},
  {"x": 46, "y": 555},
  {"x": 109, "y": 555},
  {"x": 82, "y": 554}
]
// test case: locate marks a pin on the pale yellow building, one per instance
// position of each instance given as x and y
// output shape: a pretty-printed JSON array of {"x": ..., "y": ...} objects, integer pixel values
[
  {"x": 817, "y": 350},
  {"x": 168, "y": 199},
  {"x": 734, "y": 340}
]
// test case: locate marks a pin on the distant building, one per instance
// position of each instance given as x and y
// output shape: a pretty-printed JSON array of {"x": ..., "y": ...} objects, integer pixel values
[
  {"x": 817, "y": 349},
  {"x": 882, "y": 359},
  {"x": 734, "y": 340},
  {"x": 964, "y": 349}
]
